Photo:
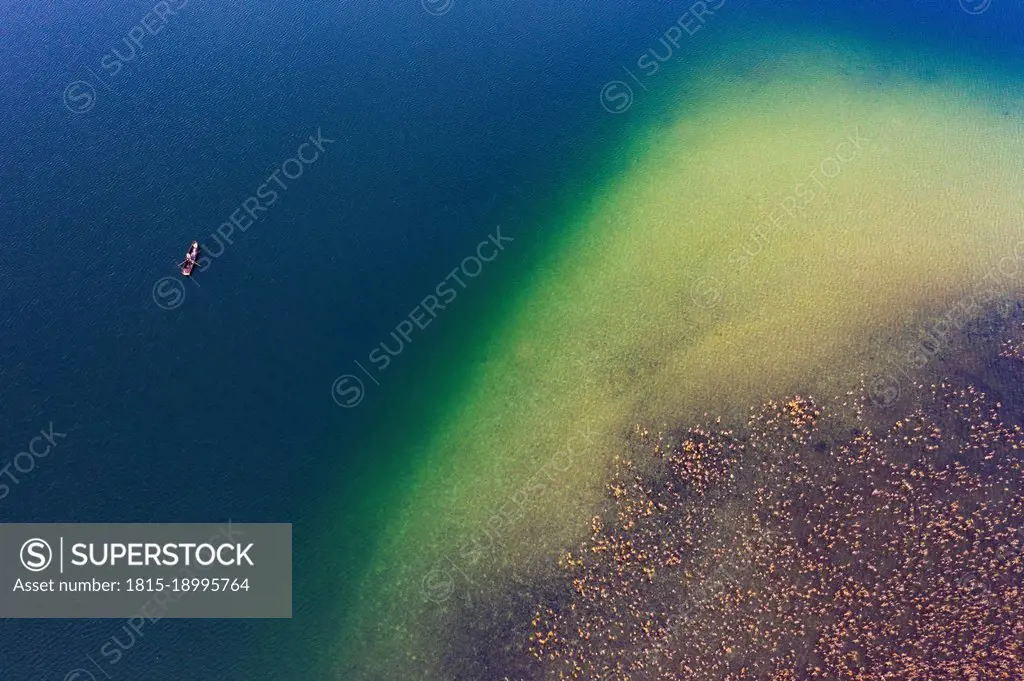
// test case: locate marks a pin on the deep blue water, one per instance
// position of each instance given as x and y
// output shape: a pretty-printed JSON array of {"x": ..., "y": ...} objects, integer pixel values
[{"x": 444, "y": 127}]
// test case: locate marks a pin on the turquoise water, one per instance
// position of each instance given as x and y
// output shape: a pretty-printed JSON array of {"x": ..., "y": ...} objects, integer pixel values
[{"x": 446, "y": 127}]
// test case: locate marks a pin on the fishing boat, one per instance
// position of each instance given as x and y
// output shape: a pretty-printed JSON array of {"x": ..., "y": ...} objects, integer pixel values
[{"x": 190, "y": 259}]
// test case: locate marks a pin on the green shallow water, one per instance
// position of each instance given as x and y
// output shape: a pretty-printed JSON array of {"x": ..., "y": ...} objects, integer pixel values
[{"x": 687, "y": 286}]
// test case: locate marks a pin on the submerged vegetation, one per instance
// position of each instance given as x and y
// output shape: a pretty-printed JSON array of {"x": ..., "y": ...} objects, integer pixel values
[
  {"x": 643, "y": 314},
  {"x": 847, "y": 541}
]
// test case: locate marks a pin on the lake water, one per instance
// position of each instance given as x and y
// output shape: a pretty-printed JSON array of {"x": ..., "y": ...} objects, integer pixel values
[{"x": 653, "y": 271}]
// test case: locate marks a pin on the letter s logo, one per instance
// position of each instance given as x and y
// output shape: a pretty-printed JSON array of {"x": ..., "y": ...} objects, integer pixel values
[{"x": 36, "y": 555}]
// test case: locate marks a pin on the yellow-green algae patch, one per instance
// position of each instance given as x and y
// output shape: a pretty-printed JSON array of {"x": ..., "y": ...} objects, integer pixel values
[{"x": 689, "y": 286}]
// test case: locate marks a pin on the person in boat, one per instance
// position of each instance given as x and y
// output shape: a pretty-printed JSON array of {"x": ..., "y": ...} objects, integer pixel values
[{"x": 190, "y": 259}]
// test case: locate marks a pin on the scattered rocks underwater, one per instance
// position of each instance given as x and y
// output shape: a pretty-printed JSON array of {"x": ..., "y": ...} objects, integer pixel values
[{"x": 822, "y": 539}]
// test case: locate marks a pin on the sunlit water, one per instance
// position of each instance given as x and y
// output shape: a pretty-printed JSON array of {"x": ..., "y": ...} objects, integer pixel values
[{"x": 800, "y": 213}]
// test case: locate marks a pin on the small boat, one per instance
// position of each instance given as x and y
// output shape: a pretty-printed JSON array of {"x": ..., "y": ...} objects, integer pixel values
[{"x": 190, "y": 259}]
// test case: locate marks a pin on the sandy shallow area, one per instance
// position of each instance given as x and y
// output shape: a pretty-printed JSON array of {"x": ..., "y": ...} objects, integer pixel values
[{"x": 800, "y": 221}]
